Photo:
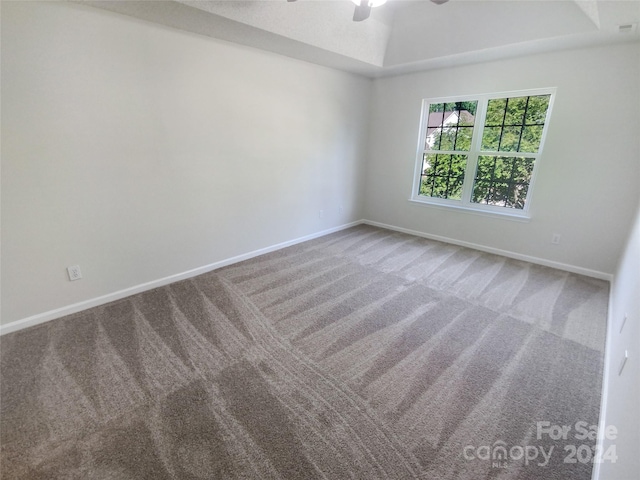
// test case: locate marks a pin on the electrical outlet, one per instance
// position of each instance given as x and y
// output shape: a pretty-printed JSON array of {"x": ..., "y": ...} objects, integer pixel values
[
  {"x": 628, "y": 28},
  {"x": 74, "y": 272},
  {"x": 555, "y": 239},
  {"x": 321, "y": 214}
]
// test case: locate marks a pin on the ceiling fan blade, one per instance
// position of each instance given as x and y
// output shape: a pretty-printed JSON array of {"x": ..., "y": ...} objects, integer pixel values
[
  {"x": 362, "y": 11},
  {"x": 439, "y": 2}
]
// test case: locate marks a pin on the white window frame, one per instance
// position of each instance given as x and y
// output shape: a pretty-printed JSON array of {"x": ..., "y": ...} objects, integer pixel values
[{"x": 475, "y": 151}]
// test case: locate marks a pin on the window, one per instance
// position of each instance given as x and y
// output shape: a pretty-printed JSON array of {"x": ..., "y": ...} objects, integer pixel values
[{"x": 481, "y": 152}]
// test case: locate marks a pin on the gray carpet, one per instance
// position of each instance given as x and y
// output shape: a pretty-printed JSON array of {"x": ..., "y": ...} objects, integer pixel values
[{"x": 364, "y": 354}]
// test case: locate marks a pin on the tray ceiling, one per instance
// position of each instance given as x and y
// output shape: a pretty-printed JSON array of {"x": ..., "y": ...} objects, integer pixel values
[{"x": 400, "y": 36}]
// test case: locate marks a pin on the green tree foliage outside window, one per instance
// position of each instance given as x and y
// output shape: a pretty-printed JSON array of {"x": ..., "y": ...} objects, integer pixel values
[
  {"x": 443, "y": 175},
  {"x": 450, "y": 129},
  {"x": 512, "y": 128},
  {"x": 450, "y": 126},
  {"x": 515, "y": 124},
  {"x": 502, "y": 181}
]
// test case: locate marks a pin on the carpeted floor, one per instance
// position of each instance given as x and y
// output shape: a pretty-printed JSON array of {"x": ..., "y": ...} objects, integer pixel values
[{"x": 364, "y": 354}]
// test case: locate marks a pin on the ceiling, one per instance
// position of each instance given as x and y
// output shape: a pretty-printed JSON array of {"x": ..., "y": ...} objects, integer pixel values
[{"x": 401, "y": 36}]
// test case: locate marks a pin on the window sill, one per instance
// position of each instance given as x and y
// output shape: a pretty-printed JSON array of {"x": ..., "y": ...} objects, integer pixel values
[{"x": 523, "y": 218}]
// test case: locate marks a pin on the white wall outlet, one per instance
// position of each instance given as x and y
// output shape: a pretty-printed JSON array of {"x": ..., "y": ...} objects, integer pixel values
[
  {"x": 555, "y": 239},
  {"x": 74, "y": 272},
  {"x": 321, "y": 214},
  {"x": 628, "y": 28},
  {"x": 341, "y": 209}
]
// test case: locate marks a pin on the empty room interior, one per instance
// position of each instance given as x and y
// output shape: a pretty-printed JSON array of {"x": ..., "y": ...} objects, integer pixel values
[{"x": 332, "y": 239}]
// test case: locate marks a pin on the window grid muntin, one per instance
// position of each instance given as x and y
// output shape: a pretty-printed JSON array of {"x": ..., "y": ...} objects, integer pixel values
[
  {"x": 453, "y": 181},
  {"x": 521, "y": 126},
  {"x": 512, "y": 184},
  {"x": 476, "y": 150},
  {"x": 458, "y": 109}
]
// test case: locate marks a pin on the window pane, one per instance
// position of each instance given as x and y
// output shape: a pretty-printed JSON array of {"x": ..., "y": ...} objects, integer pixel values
[
  {"x": 441, "y": 165},
  {"x": 442, "y": 175},
  {"x": 520, "y": 128},
  {"x": 495, "y": 111},
  {"x": 450, "y": 107},
  {"x": 436, "y": 113},
  {"x": 517, "y": 196},
  {"x": 425, "y": 187},
  {"x": 458, "y": 165},
  {"x": 531, "y": 137},
  {"x": 484, "y": 168},
  {"x": 491, "y": 138},
  {"x": 515, "y": 111},
  {"x": 499, "y": 194},
  {"x": 455, "y": 188},
  {"x": 522, "y": 170},
  {"x": 433, "y": 139},
  {"x": 434, "y": 125},
  {"x": 450, "y": 126},
  {"x": 463, "y": 139},
  {"x": 447, "y": 138},
  {"x": 510, "y": 139},
  {"x": 467, "y": 113},
  {"x": 480, "y": 192},
  {"x": 502, "y": 181},
  {"x": 503, "y": 168},
  {"x": 537, "y": 111}
]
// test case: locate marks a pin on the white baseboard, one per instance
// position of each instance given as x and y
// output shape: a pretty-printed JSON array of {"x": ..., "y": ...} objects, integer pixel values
[
  {"x": 505, "y": 253},
  {"x": 94, "y": 302}
]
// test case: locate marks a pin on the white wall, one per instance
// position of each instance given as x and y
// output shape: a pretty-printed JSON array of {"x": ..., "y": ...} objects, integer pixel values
[
  {"x": 621, "y": 406},
  {"x": 587, "y": 184},
  {"x": 139, "y": 152}
]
